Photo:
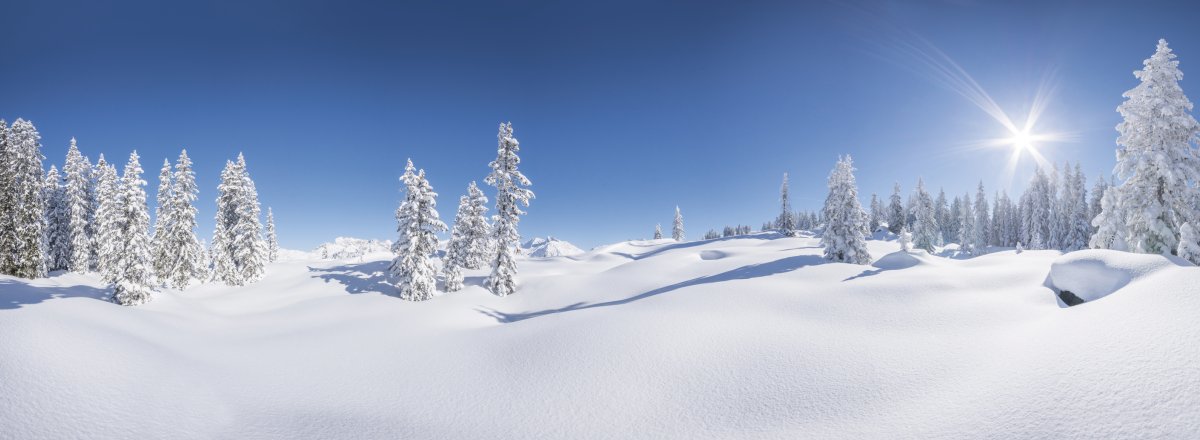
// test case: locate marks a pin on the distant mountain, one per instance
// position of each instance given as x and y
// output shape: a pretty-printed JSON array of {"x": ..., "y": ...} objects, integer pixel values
[
  {"x": 347, "y": 247},
  {"x": 539, "y": 247}
]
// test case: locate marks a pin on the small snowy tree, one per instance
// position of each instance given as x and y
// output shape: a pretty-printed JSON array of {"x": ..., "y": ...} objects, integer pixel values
[
  {"x": 511, "y": 194},
  {"x": 896, "y": 212},
  {"x": 876, "y": 218},
  {"x": 77, "y": 206},
  {"x": 272, "y": 240},
  {"x": 132, "y": 254},
  {"x": 983, "y": 224},
  {"x": 1189, "y": 244},
  {"x": 905, "y": 239},
  {"x": 926, "y": 233},
  {"x": 966, "y": 228},
  {"x": 468, "y": 239},
  {"x": 843, "y": 239},
  {"x": 418, "y": 226},
  {"x": 677, "y": 226},
  {"x": 657, "y": 231},
  {"x": 786, "y": 222}
]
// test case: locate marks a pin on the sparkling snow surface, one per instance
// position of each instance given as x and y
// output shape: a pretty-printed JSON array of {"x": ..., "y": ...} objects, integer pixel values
[{"x": 751, "y": 337}]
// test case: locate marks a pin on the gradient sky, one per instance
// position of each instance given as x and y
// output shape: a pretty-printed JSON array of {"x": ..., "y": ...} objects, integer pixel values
[{"x": 623, "y": 109}]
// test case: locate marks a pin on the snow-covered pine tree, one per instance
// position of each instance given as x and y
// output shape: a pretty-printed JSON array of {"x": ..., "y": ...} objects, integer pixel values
[
  {"x": 677, "y": 226},
  {"x": 1094, "y": 202},
  {"x": 786, "y": 223},
  {"x": 132, "y": 253},
  {"x": 1189, "y": 244},
  {"x": 966, "y": 228},
  {"x": 905, "y": 239},
  {"x": 657, "y": 231},
  {"x": 418, "y": 226},
  {"x": 926, "y": 232},
  {"x": 951, "y": 230},
  {"x": 271, "y": 239},
  {"x": 1078, "y": 227},
  {"x": 477, "y": 231},
  {"x": 184, "y": 252},
  {"x": 1157, "y": 162},
  {"x": 457, "y": 248},
  {"x": 896, "y": 213},
  {"x": 1058, "y": 211},
  {"x": 983, "y": 224},
  {"x": 239, "y": 253},
  {"x": 843, "y": 239},
  {"x": 1038, "y": 215},
  {"x": 107, "y": 220},
  {"x": 159, "y": 258},
  {"x": 511, "y": 194},
  {"x": 77, "y": 206},
  {"x": 876, "y": 214},
  {"x": 1110, "y": 223},
  {"x": 24, "y": 206},
  {"x": 941, "y": 211},
  {"x": 8, "y": 203},
  {"x": 57, "y": 232}
]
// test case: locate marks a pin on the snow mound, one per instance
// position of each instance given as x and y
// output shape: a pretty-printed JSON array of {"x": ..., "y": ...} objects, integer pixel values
[
  {"x": 904, "y": 260},
  {"x": 347, "y": 247},
  {"x": 548, "y": 247},
  {"x": 1095, "y": 273}
]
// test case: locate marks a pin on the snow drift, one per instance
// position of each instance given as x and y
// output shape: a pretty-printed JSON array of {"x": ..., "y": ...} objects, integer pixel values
[
  {"x": 631, "y": 340},
  {"x": 1096, "y": 273}
]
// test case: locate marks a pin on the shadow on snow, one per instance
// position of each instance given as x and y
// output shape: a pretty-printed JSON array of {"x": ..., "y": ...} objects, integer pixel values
[
  {"x": 359, "y": 278},
  {"x": 15, "y": 294}
]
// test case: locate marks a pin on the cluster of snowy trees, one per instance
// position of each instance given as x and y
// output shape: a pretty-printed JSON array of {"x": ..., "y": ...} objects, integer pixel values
[
  {"x": 473, "y": 240},
  {"x": 89, "y": 218}
]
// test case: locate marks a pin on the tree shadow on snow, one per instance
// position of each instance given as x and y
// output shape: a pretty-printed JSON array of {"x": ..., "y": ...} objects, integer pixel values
[
  {"x": 15, "y": 294},
  {"x": 742, "y": 273},
  {"x": 359, "y": 278}
]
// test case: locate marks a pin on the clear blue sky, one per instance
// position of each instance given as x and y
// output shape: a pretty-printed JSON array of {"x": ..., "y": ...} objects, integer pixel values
[{"x": 623, "y": 109}]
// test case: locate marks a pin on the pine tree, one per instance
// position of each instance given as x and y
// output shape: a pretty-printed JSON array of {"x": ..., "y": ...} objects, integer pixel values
[
  {"x": 418, "y": 225},
  {"x": 876, "y": 214},
  {"x": 24, "y": 206},
  {"x": 160, "y": 260},
  {"x": 1189, "y": 244},
  {"x": 786, "y": 223},
  {"x": 76, "y": 197},
  {"x": 657, "y": 231},
  {"x": 983, "y": 224},
  {"x": 1110, "y": 224},
  {"x": 107, "y": 220},
  {"x": 510, "y": 196},
  {"x": 468, "y": 238},
  {"x": 183, "y": 252},
  {"x": 843, "y": 239},
  {"x": 677, "y": 227},
  {"x": 272, "y": 240},
  {"x": 1094, "y": 207},
  {"x": 1157, "y": 162},
  {"x": 966, "y": 228},
  {"x": 941, "y": 212},
  {"x": 57, "y": 230},
  {"x": 896, "y": 213},
  {"x": 905, "y": 239},
  {"x": 926, "y": 233},
  {"x": 1078, "y": 227},
  {"x": 132, "y": 253},
  {"x": 239, "y": 253}
]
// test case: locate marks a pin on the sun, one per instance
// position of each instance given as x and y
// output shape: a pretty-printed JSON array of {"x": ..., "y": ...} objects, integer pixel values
[{"x": 1022, "y": 140}]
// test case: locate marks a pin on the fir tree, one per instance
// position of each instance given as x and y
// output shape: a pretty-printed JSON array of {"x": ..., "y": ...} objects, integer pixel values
[
  {"x": 184, "y": 253},
  {"x": 876, "y": 214},
  {"x": 239, "y": 253},
  {"x": 966, "y": 228},
  {"x": 57, "y": 230},
  {"x": 905, "y": 240},
  {"x": 896, "y": 212},
  {"x": 657, "y": 231},
  {"x": 107, "y": 220},
  {"x": 843, "y": 240},
  {"x": 926, "y": 233},
  {"x": 468, "y": 238},
  {"x": 510, "y": 196},
  {"x": 418, "y": 225},
  {"x": 77, "y": 199},
  {"x": 132, "y": 253},
  {"x": 786, "y": 223},
  {"x": 983, "y": 224},
  {"x": 1079, "y": 229},
  {"x": 677, "y": 226},
  {"x": 272, "y": 240},
  {"x": 162, "y": 219},
  {"x": 1189, "y": 244},
  {"x": 23, "y": 206}
]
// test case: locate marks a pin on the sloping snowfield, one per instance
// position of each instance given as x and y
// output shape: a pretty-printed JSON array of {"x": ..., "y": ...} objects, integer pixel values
[{"x": 752, "y": 337}]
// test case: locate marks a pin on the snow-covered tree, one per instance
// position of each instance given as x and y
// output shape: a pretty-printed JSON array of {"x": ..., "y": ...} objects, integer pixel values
[
  {"x": 22, "y": 203},
  {"x": 843, "y": 239},
  {"x": 468, "y": 244},
  {"x": 131, "y": 271},
  {"x": 1159, "y": 166},
  {"x": 941, "y": 212},
  {"x": 107, "y": 219},
  {"x": 77, "y": 201},
  {"x": 162, "y": 218},
  {"x": 57, "y": 229},
  {"x": 1094, "y": 207},
  {"x": 183, "y": 254},
  {"x": 657, "y": 231},
  {"x": 896, "y": 212},
  {"x": 1109, "y": 224},
  {"x": 1189, "y": 244},
  {"x": 786, "y": 222},
  {"x": 926, "y": 233},
  {"x": 239, "y": 254},
  {"x": 271, "y": 238},
  {"x": 905, "y": 239},
  {"x": 966, "y": 227},
  {"x": 677, "y": 226},
  {"x": 511, "y": 194},
  {"x": 1078, "y": 228},
  {"x": 418, "y": 225},
  {"x": 983, "y": 223},
  {"x": 876, "y": 216}
]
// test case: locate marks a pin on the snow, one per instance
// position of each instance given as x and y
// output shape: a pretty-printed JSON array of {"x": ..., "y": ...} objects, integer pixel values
[
  {"x": 549, "y": 247},
  {"x": 348, "y": 247},
  {"x": 644, "y": 339},
  {"x": 1097, "y": 273}
]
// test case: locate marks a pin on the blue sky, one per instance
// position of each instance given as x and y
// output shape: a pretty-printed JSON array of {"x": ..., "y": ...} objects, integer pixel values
[{"x": 623, "y": 109}]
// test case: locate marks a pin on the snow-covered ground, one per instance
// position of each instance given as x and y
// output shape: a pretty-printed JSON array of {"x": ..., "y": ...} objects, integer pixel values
[{"x": 748, "y": 337}]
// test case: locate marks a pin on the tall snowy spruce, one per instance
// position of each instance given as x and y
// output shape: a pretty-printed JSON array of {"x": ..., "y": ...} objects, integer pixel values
[
  {"x": 162, "y": 218},
  {"x": 844, "y": 239},
  {"x": 966, "y": 225},
  {"x": 77, "y": 202},
  {"x": 418, "y": 226},
  {"x": 270, "y": 237},
  {"x": 107, "y": 220},
  {"x": 182, "y": 253},
  {"x": 57, "y": 240},
  {"x": 1078, "y": 228},
  {"x": 895, "y": 212},
  {"x": 1159, "y": 166},
  {"x": 510, "y": 196},
  {"x": 876, "y": 216},
  {"x": 22, "y": 202},
  {"x": 926, "y": 233},
  {"x": 239, "y": 254},
  {"x": 469, "y": 240},
  {"x": 983, "y": 222},
  {"x": 787, "y": 220},
  {"x": 677, "y": 226},
  {"x": 131, "y": 266}
]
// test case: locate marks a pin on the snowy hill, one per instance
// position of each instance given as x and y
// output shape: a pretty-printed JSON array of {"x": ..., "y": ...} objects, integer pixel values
[
  {"x": 547, "y": 247},
  {"x": 746, "y": 337},
  {"x": 346, "y": 247}
]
